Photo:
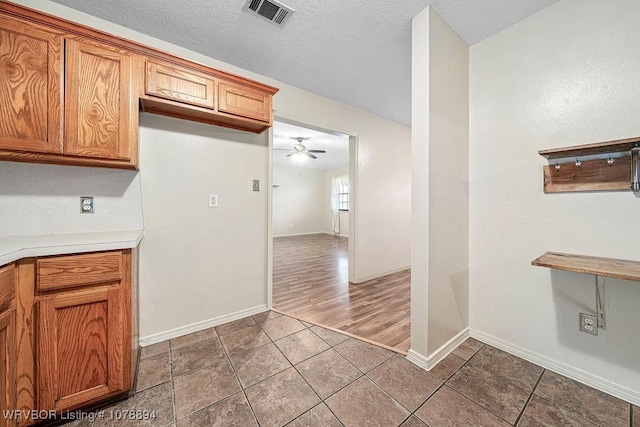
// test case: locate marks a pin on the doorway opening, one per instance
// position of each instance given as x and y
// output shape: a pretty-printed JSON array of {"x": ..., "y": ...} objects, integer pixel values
[{"x": 313, "y": 240}]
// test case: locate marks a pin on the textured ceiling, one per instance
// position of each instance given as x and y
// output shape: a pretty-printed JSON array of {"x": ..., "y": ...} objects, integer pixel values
[
  {"x": 357, "y": 52},
  {"x": 336, "y": 147}
]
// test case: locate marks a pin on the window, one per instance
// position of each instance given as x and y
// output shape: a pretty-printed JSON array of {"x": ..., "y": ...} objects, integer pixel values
[{"x": 343, "y": 195}]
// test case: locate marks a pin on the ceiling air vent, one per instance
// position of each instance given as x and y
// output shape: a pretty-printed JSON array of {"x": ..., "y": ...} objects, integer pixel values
[{"x": 273, "y": 11}]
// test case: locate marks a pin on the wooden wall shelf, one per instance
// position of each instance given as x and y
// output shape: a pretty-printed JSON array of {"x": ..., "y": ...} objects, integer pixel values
[
  {"x": 604, "y": 267},
  {"x": 617, "y": 146},
  {"x": 617, "y": 173}
]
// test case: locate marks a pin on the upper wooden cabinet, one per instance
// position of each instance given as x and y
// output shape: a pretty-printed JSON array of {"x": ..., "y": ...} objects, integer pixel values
[
  {"x": 70, "y": 94},
  {"x": 179, "y": 84},
  {"x": 245, "y": 102},
  {"x": 206, "y": 97},
  {"x": 30, "y": 88},
  {"x": 99, "y": 102}
]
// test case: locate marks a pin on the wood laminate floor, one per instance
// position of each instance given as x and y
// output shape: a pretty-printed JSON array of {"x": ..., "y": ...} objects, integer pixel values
[{"x": 310, "y": 282}]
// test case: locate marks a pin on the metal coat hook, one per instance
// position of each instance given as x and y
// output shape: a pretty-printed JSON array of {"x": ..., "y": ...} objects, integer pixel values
[
  {"x": 558, "y": 166},
  {"x": 578, "y": 163},
  {"x": 611, "y": 161}
]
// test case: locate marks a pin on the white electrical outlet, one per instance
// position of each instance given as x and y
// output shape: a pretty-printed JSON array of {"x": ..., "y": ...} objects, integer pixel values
[
  {"x": 588, "y": 323},
  {"x": 213, "y": 200}
]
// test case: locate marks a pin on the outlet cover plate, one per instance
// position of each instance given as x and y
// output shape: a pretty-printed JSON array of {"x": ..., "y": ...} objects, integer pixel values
[
  {"x": 86, "y": 204},
  {"x": 588, "y": 323}
]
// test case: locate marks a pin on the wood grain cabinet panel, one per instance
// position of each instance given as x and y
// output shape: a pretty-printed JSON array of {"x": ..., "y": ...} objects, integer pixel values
[
  {"x": 99, "y": 102},
  {"x": 30, "y": 88},
  {"x": 81, "y": 347},
  {"x": 69, "y": 271},
  {"x": 7, "y": 286},
  {"x": 7, "y": 365},
  {"x": 179, "y": 84},
  {"x": 245, "y": 102}
]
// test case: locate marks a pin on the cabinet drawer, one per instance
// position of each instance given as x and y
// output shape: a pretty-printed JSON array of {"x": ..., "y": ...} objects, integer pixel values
[
  {"x": 245, "y": 102},
  {"x": 178, "y": 84},
  {"x": 63, "y": 272},
  {"x": 7, "y": 286}
]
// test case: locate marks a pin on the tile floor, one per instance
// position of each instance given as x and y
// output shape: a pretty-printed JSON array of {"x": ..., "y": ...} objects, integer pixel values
[{"x": 273, "y": 370}]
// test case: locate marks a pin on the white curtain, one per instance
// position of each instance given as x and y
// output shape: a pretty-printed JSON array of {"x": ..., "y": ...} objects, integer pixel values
[{"x": 335, "y": 198}]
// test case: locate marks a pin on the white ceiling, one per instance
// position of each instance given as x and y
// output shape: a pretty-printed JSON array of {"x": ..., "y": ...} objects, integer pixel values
[
  {"x": 336, "y": 147},
  {"x": 357, "y": 52}
]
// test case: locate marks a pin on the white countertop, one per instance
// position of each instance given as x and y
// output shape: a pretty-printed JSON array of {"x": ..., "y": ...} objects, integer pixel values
[{"x": 13, "y": 248}]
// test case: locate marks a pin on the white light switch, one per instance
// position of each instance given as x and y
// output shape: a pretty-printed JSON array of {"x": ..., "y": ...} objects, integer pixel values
[{"x": 213, "y": 200}]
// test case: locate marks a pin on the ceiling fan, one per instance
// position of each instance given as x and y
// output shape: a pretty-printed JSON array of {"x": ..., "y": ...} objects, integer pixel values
[{"x": 300, "y": 150}]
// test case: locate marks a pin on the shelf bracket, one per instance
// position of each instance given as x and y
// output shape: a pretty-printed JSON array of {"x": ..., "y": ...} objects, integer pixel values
[
  {"x": 602, "y": 318},
  {"x": 635, "y": 169}
]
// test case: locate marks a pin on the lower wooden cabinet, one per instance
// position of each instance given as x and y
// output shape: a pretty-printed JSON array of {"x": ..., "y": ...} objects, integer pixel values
[
  {"x": 67, "y": 338},
  {"x": 81, "y": 347},
  {"x": 7, "y": 365}
]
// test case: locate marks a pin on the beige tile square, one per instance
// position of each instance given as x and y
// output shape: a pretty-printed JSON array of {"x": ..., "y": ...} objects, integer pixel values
[
  {"x": 328, "y": 372},
  {"x": 157, "y": 401},
  {"x": 364, "y": 403},
  {"x": 330, "y": 337},
  {"x": 362, "y": 355},
  {"x": 154, "y": 349},
  {"x": 447, "y": 367},
  {"x": 185, "y": 340},
  {"x": 301, "y": 346},
  {"x": 258, "y": 364},
  {"x": 404, "y": 381},
  {"x": 594, "y": 405},
  {"x": 234, "y": 326},
  {"x": 281, "y": 398},
  {"x": 195, "y": 356},
  {"x": 468, "y": 348},
  {"x": 413, "y": 421},
  {"x": 319, "y": 416},
  {"x": 494, "y": 393},
  {"x": 281, "y": 327},
  {"x": 232, "y": 411},
  {"x": 153, "y": 370},
  {"x": 540, "y": 412},
  {"x": 267, "y": 315},
  {"x": 636, "y": 416},
  {"x": 204, "y": 387},
  {"x": 244, "y": 339},
  {"x": 448, "y": 408},
  {"x": 519, "y": 371}
]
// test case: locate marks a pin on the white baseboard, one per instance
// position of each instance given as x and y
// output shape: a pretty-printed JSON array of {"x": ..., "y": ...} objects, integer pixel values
[
  {"x": 386, "y": 273},
  {"x": 579, "y": 375},
  {"x": 427, "y": 363},
  {"x": 198, "y": 326}
]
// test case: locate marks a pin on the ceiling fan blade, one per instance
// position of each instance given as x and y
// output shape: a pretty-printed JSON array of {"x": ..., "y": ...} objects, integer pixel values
[
  {"x": 281, "y": 149},
  {"x": 306, "y": 153},
  {"x": 316, "y": 151},
  {"x": 290, "y": 154}
]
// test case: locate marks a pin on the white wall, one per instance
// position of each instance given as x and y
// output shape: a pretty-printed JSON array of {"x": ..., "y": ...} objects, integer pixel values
[
  {"x": 199, "y": 263},
  {"x": 300, "y": 201},
  {"x": 568, "y": 75},
  {"x": 440, "y": 145},
  {"x": 383, "y": 158},
  {"x": 45, "y": 199}
]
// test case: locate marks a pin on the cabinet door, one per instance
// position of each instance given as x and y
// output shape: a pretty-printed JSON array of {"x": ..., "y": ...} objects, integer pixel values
[
  {"x": 30, "y": 88},
  {"x": 99, "y": 102},
  {"x": 7, "y": 363},
  {"x": 180, "y": 85},
  {"x": 80, "y": 347},
  {"x": 243, "y": 101}
]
